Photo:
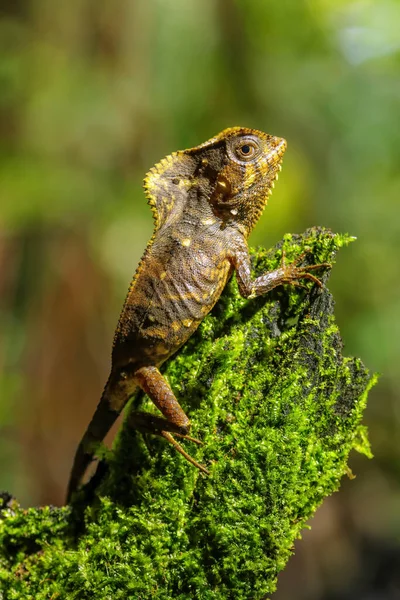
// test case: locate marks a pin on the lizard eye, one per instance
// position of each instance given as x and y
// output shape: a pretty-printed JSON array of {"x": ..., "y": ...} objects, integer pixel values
[{"x": 246, "y": 150}]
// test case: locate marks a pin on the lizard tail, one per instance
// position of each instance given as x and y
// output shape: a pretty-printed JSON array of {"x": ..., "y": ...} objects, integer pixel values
[{"x": 108, "y": 410}]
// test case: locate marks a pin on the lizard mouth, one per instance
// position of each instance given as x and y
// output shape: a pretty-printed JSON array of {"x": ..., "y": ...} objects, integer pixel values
[
  {"x": 273, "y": 166},
  {"x": 275, "y": 156}
]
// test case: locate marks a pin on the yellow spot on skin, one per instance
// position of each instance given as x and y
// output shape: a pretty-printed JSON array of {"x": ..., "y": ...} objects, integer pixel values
[
  {"x": 208, "y": 221},
  {"x": 176, "y": 325},
  {"x": 187, "y": 322},
  {"x": 155, "y": 331},
  {"x": 251, "y": 175},
  {"x": 186, "y": 242},
  {"x": 163, "y": 275},
  {"x": 185, "y": 183}
]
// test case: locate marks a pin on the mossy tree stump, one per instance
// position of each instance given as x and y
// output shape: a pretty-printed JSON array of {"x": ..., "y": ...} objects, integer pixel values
[{"x": 278, "y": 408}]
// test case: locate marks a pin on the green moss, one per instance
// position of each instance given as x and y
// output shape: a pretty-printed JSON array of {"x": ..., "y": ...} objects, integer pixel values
[{"x": 278, "y": 408}]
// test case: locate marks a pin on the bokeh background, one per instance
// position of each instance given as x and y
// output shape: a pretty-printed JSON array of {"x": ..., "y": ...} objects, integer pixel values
[{"x": 92, "y": 94}]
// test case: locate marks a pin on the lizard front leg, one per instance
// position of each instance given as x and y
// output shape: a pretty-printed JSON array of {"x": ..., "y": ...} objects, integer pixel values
[
  {"x": 176, "y": 421},
  {"x": 287, "y": 273}
]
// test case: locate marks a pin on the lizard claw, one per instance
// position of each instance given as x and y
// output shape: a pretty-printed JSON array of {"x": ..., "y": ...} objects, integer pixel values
[
  {"x": 178, "y": 447},
  {"x": 293, "y": 272},
  {"x": 189, "y": 438},
  {"x": 306, "y": 275}
]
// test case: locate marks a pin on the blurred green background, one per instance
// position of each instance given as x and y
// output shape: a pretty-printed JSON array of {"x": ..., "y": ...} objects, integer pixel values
[{"x": 92, "y": 94}]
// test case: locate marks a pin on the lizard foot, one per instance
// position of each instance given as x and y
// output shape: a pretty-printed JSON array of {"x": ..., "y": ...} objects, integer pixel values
[
  {"x": 293, "y": 272},
  {"x": 152, "y": 424},
  {"x": 166, "y": 435}
]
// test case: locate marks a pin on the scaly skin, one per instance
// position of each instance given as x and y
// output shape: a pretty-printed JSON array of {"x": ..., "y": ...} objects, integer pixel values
[{"x": 205, "y": 202}]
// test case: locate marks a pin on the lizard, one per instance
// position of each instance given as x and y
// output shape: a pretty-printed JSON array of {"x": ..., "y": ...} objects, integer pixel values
[{"x": 205, "y": 202}]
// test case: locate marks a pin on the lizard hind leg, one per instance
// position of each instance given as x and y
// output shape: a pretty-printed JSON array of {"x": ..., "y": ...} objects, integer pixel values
[{"x": 175, "y": 420}]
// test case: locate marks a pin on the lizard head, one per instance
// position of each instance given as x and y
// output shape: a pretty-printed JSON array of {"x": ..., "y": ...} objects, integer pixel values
[
  {"x": 251, "y": 165},
  {"x": 232, "y": 174}
]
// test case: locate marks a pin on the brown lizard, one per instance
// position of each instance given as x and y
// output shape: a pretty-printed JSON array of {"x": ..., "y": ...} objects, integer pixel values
[{"x": 205, "y": 202}]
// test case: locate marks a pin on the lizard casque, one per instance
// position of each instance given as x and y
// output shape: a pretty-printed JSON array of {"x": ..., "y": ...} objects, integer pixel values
[{"x": 205, "y": 202}]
